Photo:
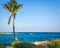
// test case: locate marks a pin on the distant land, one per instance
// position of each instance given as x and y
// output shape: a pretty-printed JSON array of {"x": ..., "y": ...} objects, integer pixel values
[
  {"x": 5, "y": 32},
  {"x": 18, "y": 32}
]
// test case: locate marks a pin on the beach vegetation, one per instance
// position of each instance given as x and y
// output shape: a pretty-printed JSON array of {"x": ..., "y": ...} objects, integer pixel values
[
  {"x": 24, "y": 45},
  {"x": 54, "y": 43}
]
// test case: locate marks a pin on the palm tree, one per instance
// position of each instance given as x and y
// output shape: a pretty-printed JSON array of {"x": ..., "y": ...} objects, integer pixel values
[{"x": 12, "y": 6}]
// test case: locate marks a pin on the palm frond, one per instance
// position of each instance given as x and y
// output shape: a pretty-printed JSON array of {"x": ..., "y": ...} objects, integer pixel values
[
  {"x": 6, "y": 7},
  {"x": 18, "y": 7},
  {"x": 12, "y": 6},
  {"x": 14, "y": 2}
]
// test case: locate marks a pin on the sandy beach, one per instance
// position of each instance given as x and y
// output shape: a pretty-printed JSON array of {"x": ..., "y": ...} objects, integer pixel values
[{"x": 43, "y": 43}]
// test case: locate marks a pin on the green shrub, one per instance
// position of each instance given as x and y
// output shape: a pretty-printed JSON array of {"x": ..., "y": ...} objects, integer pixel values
[
  {"x": 7, "y": 44},
  {"x": 24, "y": 45},
  {"x": 40, "y": 46},
  {"x": 4, "y": 45},
  {"x": 55, "y": 43}
]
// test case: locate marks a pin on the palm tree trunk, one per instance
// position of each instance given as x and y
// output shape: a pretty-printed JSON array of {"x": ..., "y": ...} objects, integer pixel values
[{"x": 13, "y": 27}]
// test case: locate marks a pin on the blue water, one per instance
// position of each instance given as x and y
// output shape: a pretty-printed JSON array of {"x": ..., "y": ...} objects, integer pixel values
[{"x": 30, "y": 36}]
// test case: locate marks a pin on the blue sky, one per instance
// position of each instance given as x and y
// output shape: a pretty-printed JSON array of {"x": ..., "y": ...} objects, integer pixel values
[{"x": 36, "y": 15}]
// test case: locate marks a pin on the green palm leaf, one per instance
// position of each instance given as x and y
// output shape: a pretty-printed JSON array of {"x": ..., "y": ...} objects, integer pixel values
[
  {"x": 6, "y": 6},
  {"x": 12, "y": 6},
  {"x": 18, "y": 7}
]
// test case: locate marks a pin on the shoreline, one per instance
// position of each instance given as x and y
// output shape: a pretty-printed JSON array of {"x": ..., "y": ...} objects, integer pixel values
[{"x": 40, "y": 43}]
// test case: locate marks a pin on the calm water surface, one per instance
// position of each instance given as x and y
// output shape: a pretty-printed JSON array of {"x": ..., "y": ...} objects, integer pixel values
[{"x": 29, "y": 36}]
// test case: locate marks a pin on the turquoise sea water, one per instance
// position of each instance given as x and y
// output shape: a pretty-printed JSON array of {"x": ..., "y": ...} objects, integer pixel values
[{"x": 30, "y": 36}]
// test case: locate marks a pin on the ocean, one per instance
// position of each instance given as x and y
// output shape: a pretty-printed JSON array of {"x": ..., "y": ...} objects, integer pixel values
[{"x": 29, "y": 36}]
